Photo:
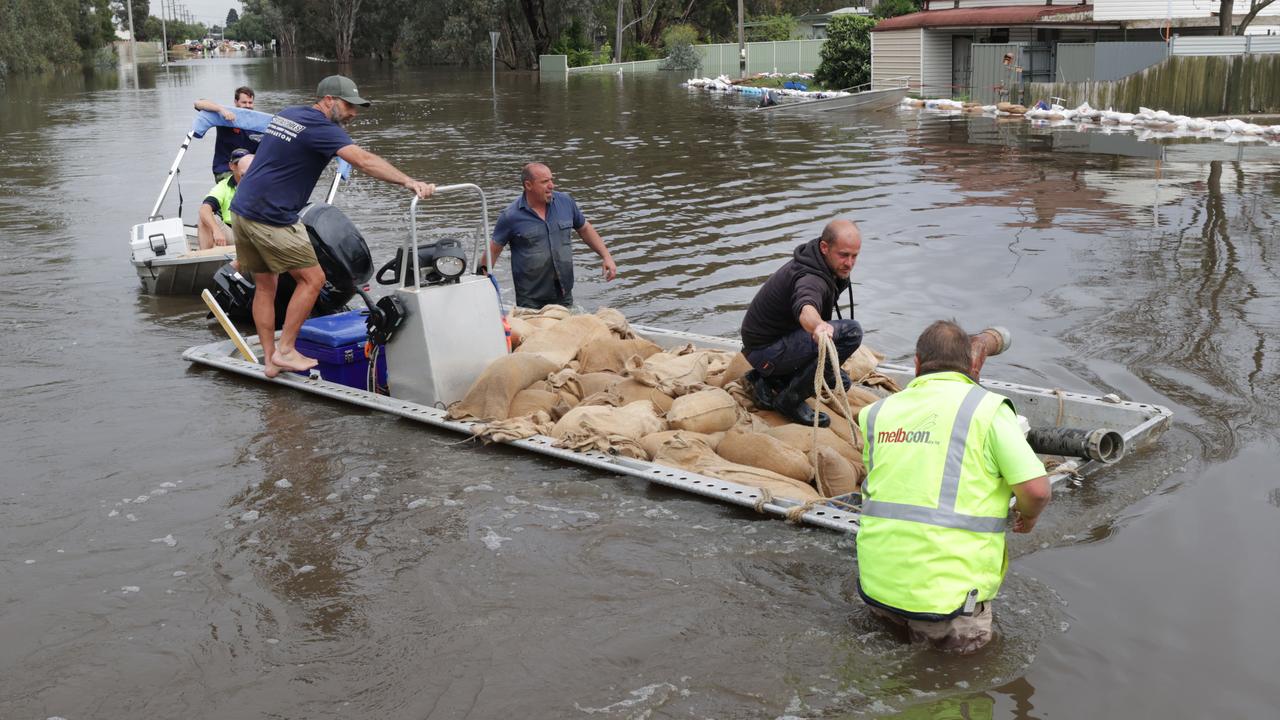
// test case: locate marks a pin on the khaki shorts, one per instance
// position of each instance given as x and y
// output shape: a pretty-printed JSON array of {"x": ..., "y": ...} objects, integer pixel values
[
  {"x": 263, "y": 248},
  {"x": 963, "y": 634}
]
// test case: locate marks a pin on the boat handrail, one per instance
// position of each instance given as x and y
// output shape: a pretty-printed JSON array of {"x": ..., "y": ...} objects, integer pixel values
[
  {"x": 897, "y": 80},
  {"x": 413, "y": 231}
]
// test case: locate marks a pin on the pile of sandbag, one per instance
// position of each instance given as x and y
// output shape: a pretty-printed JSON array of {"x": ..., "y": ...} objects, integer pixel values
[{"x": 589, "y": 382}]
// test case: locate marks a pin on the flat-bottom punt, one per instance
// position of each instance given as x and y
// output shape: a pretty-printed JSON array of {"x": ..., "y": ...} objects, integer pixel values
[{"x": 1140, "y": 424}]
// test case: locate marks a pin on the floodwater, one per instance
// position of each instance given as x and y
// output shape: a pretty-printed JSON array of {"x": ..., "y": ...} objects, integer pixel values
[{"x": 135, "y": 580}]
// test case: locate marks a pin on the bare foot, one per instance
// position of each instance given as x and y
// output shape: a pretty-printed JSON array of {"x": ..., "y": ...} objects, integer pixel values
[
  {"x": 271, "y": 370},
  {"x": 293, "y": 360}
]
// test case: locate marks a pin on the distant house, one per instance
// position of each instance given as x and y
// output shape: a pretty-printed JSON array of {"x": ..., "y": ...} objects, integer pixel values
[
  {"x": 814, "y": 26},
  {"x": 934, "y": 47}
]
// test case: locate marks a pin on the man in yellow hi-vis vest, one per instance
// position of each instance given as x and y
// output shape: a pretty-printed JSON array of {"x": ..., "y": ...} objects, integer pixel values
[{"x": 943, "y": 459}]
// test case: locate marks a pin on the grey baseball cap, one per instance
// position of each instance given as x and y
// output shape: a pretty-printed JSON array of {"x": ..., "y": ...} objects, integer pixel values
[{"x": 341, "y": 86}]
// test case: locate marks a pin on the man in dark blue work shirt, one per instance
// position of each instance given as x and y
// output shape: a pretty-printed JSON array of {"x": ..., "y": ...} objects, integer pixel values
[
  {"x": 229, "y": 138},
  {"x": 536, "y": 226}
]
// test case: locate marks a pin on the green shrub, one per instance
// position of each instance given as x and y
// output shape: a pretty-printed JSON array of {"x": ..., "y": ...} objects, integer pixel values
[
  {"x": 638, "y": 52},
  {"x": 846, "y": 54},
  {"x": 678, "y": 41}
]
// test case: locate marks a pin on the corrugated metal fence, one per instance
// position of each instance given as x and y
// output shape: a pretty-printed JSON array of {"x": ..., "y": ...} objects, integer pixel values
[
  {"x": 1228, "y": 45},
  {"x": 787, "y": 56},
  {"x": 1081, "y": 62},
  {"x": 994, "y": 81}
]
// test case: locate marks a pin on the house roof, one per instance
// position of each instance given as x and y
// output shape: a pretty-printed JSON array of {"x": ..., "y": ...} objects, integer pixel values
[{"x": 989, "y": 17}]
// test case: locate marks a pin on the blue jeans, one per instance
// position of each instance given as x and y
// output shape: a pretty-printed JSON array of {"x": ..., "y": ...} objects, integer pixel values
[{"x": 795, "y": 352}]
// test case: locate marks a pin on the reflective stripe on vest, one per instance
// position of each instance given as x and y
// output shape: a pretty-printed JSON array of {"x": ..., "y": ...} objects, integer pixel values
[{"x": 944, "y": 515}]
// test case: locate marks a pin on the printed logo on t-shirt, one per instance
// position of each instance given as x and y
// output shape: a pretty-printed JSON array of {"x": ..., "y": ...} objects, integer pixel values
[{"x": 284, "y": 128}]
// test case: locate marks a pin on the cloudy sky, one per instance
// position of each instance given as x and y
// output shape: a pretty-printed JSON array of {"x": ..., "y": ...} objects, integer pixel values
[{"x": 209, "y": 12}]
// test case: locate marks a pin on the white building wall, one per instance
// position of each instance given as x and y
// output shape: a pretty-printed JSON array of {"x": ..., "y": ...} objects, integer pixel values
[
  {"x": 895, "y": 53},
  {"x": 1158, "y": 9},
  {"x": 935, "y": 65}
]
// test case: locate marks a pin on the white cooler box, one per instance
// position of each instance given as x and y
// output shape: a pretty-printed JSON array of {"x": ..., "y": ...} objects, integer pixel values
[{"x": 158, "y": 238}]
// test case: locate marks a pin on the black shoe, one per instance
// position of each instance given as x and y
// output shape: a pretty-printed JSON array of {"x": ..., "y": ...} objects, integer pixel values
[
  {"x": 844, "y": 380},
  {"x": 803, "y": 414},
  {"x": 766, "y": 395}
]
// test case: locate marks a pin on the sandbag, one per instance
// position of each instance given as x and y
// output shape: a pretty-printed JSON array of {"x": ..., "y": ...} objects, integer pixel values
[
  {"x": 705, "y": 411},
  {"x": 561, "y": 342},
  {"x": 800, "y": 437},
  {"x": 772, "y": 418},
  {"x": 546, "y": 312},
  {"x": 765, "y": 451},
  {"x": 617, "y": 323},
  {"x": 521, "y": 330},
  {"x": 568, "y": 383},
  {"x": 862, "y": 363},
  {"x": 695, "y": 455},
  {"x": 608, "y": 429},
  {"x": 860, "y": 397},
  {"x": 837, "y": 476},
  {"x": 631, "y": 391},
  {"x": 654, "y": 441},
  {"x": 516, "y": 428},
  {"x": 531, "y": 400},
  {"x": 611, "y": 354},
  {"x": 733, "y": 372},
  {"x": 594, "y": 382},
  {"x": 490, "y": 395},
  {"x": 671, "y": 373}
]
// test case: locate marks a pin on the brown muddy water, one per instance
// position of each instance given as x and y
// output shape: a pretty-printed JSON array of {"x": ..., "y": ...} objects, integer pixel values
[{"x": 134, "y": 584}]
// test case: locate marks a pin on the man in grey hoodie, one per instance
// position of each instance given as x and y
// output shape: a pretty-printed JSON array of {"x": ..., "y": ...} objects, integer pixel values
[{"x": 791, "y": 314}]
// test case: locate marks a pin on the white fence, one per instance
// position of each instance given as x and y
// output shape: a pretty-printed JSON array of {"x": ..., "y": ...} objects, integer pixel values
[
  {"x": 784, "y": 56},
  {"x": 1224, "y": 45}
]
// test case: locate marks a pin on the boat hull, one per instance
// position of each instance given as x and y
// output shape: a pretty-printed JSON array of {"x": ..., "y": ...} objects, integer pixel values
[
  {"x": 868, "y": 101},
  {"x": 182, "y": 275}
]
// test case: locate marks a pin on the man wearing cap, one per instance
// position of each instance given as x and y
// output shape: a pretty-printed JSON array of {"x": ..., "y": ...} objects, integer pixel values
[
  {"x": 230, "y": 139},
  {"x": 298, "y": 144},
  {"x": 214, "y": 227}
]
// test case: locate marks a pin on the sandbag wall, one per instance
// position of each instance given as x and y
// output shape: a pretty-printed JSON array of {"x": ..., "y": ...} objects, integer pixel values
[{"x": 589, "y": 382}]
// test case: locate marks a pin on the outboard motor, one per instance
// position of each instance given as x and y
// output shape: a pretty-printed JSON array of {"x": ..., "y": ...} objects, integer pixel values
[{"x": 343, "y": 255}]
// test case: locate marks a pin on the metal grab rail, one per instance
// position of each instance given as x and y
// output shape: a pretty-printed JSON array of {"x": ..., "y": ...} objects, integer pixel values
[
  {"x": 413, "y": 231},
  {"x": 870, "y": 85}
]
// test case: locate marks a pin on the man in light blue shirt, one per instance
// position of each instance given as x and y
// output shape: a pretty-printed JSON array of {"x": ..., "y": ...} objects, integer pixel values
[{"x": 536, "y": 226}]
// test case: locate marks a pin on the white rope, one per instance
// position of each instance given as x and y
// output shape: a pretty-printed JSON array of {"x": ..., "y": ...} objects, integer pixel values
[{"x": 825, "y": 394}]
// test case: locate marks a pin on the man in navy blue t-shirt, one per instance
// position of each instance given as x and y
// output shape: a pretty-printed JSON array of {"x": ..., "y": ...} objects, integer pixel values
[
  {"x": 536, "y": 225},
  {"x": 297, "y": 145},
  {"x": 229, "y": 138}
]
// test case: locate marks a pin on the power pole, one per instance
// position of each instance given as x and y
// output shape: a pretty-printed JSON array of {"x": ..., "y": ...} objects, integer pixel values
[
  {"x": 133, "y": 46},
  {"x": 617, "y": 48},
  {"x": 742, "y": 45},
  {"x": 164, "y": 35}
]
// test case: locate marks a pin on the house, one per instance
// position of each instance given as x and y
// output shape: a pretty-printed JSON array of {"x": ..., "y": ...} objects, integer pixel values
[
  {"x": 814, "y": 26},
  {"x": 951, "y": 48}
]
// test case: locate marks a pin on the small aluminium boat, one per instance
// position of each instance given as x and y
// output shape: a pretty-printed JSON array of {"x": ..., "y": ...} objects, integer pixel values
[
  {"x": 863, "y": 98},
  {"x": 166, "y": 252}
]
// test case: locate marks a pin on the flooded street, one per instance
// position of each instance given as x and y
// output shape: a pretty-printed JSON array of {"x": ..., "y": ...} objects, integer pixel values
[{"x": 180, "y": 542}]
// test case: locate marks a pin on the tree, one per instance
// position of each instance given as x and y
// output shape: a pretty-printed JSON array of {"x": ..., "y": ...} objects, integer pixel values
[
  {"x": 1255, "y": 7},
  {"x": 774, "y": 27},
  {"x": 894, "y": 8},
  {"x": 232, "y": 17},
  {"x": 846, "y": 54},
  {"x": 141, "y": 11},
  {"x": 344, "y": 14}
]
